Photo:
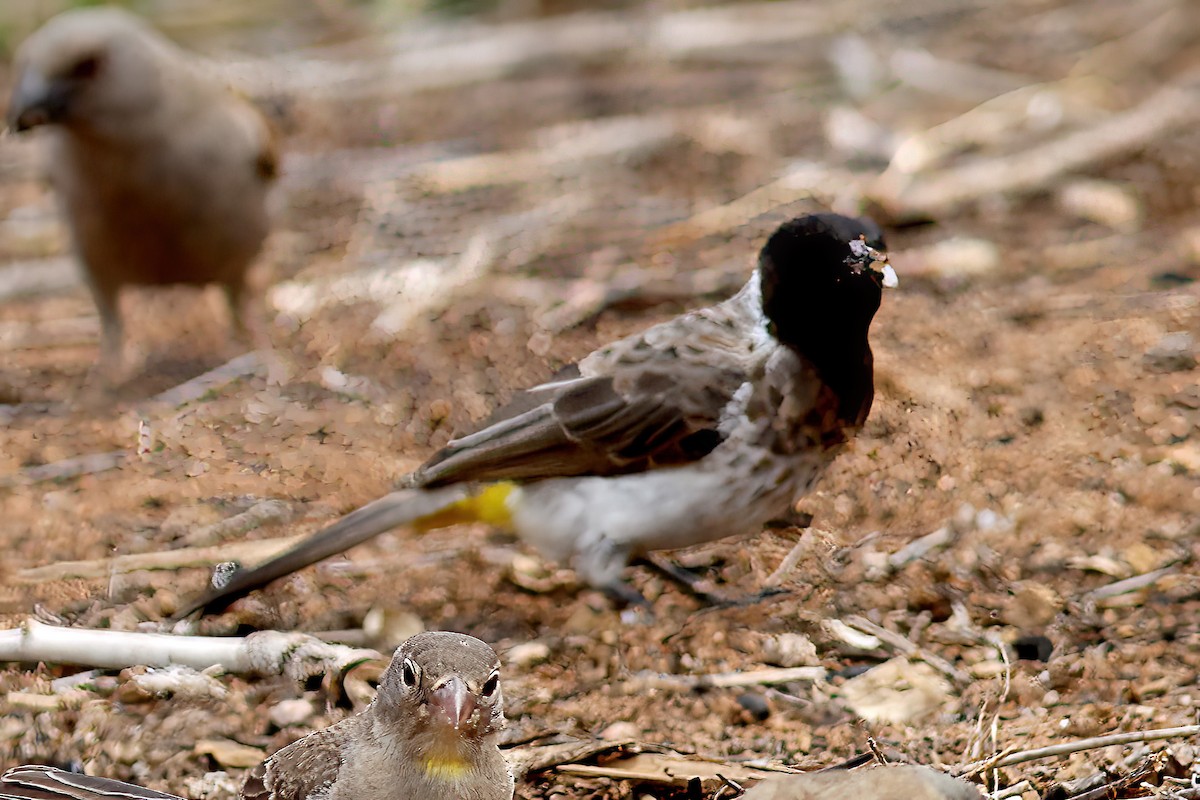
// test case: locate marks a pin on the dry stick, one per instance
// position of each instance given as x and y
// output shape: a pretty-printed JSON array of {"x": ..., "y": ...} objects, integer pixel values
[
  {"x": 919, "y": 548},
  {"x": 51, "y": 333},
  {"x": 241, "y": 367},
  {"x": 790, "y": 561},
  {"x": 1067, "y": 748},
  {"x": 806, "y": 181},
  {"x": 262, "y": 653},
  {"x": 556, "y": 150},
  {"x": 67, "y": 468},
  {"x": 38, "y": 276},
  {"x": 450, "y": 55},
  {"x": 724, "y": 680},
  {"x": 943, "y": 192},
  {"x": 250, "y": 552},
  {"x": 1128, "y": 585},
  {"x": 909, "y": 648},
  {"x": 264, "y": 512},
  {"x": 1016, "y": 790}
]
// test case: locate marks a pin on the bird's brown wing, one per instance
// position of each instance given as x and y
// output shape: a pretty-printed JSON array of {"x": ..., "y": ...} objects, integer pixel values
[
  {"x": 36, "y": 782},
  {"x": 632, "y": 419},
  {"x": 299, "y": 770}
]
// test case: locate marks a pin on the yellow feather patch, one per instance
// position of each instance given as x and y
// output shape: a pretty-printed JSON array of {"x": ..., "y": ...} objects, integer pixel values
[
  {"x": 446, "y": 769},
  {"x": 490, "y": 506}
]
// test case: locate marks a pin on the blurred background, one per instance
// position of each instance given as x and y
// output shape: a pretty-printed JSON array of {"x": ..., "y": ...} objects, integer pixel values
[{"x": 476, "y": 193}]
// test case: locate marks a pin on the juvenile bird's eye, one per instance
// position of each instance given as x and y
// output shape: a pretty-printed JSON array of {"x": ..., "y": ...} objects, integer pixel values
[
  {"x": 409, "y": 673},
  {"x": 490, "y": 686},
  {"x": 85, "y": 68}
]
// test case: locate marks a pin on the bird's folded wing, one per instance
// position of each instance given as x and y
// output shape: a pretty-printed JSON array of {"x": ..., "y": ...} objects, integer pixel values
[
  {"x": 299, "y": 770},
  {"x": 630, "y": 420},
  {"x": 35, "y": 782},
  {"x": 398, "y": 508}
]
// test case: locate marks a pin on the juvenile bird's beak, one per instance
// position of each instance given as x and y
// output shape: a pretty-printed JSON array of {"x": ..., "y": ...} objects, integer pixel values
[
  {"x": 454, "y": 700},
  {"x": 35, "y": 101}
]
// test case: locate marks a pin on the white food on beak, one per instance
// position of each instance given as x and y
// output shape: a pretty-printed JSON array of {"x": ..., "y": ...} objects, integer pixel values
[{"x": 890, "y": 279}]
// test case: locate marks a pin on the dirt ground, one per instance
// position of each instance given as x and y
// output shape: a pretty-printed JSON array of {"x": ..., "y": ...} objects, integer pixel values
[{"x": 1037, "y": 409}]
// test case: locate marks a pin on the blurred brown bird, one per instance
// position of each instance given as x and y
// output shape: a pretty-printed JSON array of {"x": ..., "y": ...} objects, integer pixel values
[
  {"x": 161, "y": 170},
  {"x": 430, "y": 734}
]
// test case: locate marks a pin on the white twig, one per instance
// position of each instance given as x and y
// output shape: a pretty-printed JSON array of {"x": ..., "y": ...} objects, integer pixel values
[
  {"x": 909, "y": 648},
  {"x": 921, "y": 547},
  {"x": 1094, "y": 743},
  {"x": 1033, "y": 168},
  {"x": 1129, "y": 584},
  {"x": 724, "y": 680},
  {"x": 243, "y": 366},
  {"x": 789, "y": 561},
  {"x": 262, "y": 653}
]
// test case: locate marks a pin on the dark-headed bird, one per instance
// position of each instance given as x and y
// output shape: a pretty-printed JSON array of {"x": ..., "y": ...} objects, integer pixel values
[{"x": 706, "y": 426}]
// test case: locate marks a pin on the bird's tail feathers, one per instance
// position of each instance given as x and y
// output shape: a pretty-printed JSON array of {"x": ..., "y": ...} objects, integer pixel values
[
  {"x": 36, "y": 782},
  {"x": 423, "y": 509}
]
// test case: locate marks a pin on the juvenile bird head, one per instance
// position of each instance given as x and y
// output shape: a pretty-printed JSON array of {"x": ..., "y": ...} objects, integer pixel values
[
  {"x": 442, "y": 692},
  {"x": 90, "y": 68}
]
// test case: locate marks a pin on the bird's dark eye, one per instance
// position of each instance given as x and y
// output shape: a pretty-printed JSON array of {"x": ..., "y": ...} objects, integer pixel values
[
  {"x": 85, "y": 68},
  {"x": 409, "y": 673},
  {"x": 490, "y": 686}
]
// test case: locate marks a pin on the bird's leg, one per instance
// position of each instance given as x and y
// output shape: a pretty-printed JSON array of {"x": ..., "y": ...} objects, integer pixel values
[
  {"x": 243, "y": 310},
  {"x": 698, "y": 587},
  {"x": 687, "y": 580},
  {"x": 111, "y": 365},
  {"x": 248, "y": 311},
  {"x": 622, "y": 595}
]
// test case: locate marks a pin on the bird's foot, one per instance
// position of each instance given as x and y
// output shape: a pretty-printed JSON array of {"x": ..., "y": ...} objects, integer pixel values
[{"x": 701, "y": 588}]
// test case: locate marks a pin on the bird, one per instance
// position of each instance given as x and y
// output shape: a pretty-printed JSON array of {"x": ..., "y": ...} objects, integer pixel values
[
  {"x": 893, "y": 782},
  {"x": 161, "y": 170},
  {"x": 430, "y": 734},
  {"x": 705, "y": 426}
]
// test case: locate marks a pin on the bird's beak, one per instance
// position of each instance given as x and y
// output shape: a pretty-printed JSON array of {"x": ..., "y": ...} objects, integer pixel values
[
  {"x": 890, "y": 279},
  {"x": 454, "y": 700},
  {"x": 35, "y": 101},
  {"x": 876, "y": 261}
]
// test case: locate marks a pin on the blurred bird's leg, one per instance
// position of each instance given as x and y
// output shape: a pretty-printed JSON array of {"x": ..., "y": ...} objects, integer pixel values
[
  {"x": 601, "y": 563},
  {"x": 690, "y": 582},
  {"x": 110, "y": 368},
  {"x": 698, "y": 587},
  {"x": 247, "y": 309}
]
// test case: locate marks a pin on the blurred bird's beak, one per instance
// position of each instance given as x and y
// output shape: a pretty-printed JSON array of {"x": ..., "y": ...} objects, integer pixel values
[
  {"x": 454, "y": 700},
  {"x": 35, "y": 101}
]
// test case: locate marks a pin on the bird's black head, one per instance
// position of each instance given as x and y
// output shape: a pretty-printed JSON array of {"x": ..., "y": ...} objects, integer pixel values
[{"x": 821, "y": 289}]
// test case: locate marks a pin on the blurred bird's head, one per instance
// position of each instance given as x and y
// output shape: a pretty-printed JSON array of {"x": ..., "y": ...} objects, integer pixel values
[
  {"x": 441, "y": 692},
  {"x": 821, "y": 278},
  {"x": 90, "y": 68}
]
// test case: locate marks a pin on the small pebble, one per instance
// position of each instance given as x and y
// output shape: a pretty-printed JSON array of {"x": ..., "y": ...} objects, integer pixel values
[
  {"x": 620, "y": 731},
  {"x": 527, "y": 654},
  {"x": 790, "y": 650},
  {"x": 1175, "y": 352},
  {"x": 291, "y": 712},
  {"x": 755, "y": 705}
]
